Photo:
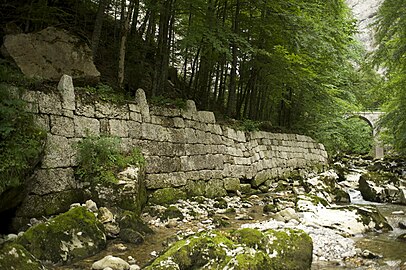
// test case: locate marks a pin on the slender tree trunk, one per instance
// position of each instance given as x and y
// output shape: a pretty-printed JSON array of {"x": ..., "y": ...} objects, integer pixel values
[
  {"x": 98, "y": 25},
  {"x": 126, "y": 18},
  {"x": 232, "y": 97}
]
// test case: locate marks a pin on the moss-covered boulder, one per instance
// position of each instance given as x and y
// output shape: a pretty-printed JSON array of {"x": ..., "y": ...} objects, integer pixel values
[
  {"x": 166, "y": 196},
  {"x": 16, "y": 257},
  {"x": 66, "y": 238},
  {"x": 244, "y": 249},
  {"x": 132, "y": 228}
]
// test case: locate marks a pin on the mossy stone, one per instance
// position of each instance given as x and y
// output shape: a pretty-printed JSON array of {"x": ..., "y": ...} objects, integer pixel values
[
  {"x": 270, "y": 208},
  {"x": 49, "y": 204},
  {"x": 294, "y": 249},
  {"x": 249, "y": 237},
  {"x": 195, "y": 188},
  {"x": 66, "y": 238},
  {"x": 15, "y": 257},
  {"x": 131, "y": 220},
  {"x": 245, "y": 249},
  {"x": 166, "y": 196},
  {"x": 172, "y": 212}
]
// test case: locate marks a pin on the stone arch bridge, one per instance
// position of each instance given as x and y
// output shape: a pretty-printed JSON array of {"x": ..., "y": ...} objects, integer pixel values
[{"x": 372, "y": 118}]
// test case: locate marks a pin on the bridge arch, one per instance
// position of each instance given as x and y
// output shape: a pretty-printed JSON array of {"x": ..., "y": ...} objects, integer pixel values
[{"x": 372, "y": 118}]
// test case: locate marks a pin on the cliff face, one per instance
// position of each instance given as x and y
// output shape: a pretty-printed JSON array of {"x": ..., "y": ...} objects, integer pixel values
[{"x": 365, "y": 12}]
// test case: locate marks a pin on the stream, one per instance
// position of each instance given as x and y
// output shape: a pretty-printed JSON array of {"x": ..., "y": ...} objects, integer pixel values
[
  {"x": 386, "y": 252},
  {"x": 391, "y": 251}
]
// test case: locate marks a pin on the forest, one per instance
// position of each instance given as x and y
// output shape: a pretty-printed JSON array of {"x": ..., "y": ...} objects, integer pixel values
[{"x": 291, "y": 66}]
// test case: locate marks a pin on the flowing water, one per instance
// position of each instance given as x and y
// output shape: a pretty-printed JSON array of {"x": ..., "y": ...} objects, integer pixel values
[{"x": 385, "y": 244}]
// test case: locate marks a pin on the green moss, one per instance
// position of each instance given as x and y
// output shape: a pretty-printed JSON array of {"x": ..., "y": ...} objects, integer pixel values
[
  {"x": 294, "y": 249},
  {"x": 66, "y": 238},
  {"x": 166, "y": 196},
  {"x": 249, "y": 237},
  {"x": 195, "y": 252},
  {"x": 288, "y": 250},
  {"x": 16, "y": 257},
  {"x": 101, "y": 158},
  {"x": 252, "y": 261},
  {"x": 49, "y": 204},
  {"x": 270, "y": 208}
]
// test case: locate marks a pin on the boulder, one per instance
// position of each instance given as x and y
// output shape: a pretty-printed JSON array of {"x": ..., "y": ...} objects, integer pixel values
[
  {"x": 111, "y": 262},
  {"x": 66, "y": 238},
  {"x": 379, "y": 186},
  {"x": 166, "y": 196},
  {"x": 15, "y": 256},
  {"x": 50, "y": 53},
  {"x": 128, "y": 194},
  {"x": 243, "y": 249}
]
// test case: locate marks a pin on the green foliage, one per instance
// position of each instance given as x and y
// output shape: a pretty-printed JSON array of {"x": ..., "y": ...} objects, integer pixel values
[
  {"x": 247, "y": 125},
  {"x": 351, "y": 136},
  {"x": 21, "y": 141},
  {"x": 11, "y": 75},
  {"x": 391, "y": 55},
  {"x": 106, "y": 93},
  {"x": 101, "y": 158},
  {"x": 168, "y": 102}
]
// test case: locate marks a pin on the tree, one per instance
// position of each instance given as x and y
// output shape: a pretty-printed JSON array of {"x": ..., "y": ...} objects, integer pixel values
[{"x": 391, "y": 55}]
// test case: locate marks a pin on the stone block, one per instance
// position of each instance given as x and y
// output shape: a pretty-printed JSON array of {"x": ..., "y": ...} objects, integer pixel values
[
  {"x": 85, "y": 108},
  {"x": 190, "y": 136},
  {"x": 42, "y": 120},
  {"x": 196, "y": 188},
  {"x": 134, "y": 107},
  {"x": 232, "y": 184},
  {"x": 58, "y": 152},
  {"x": 134, "y": 129},
  {"x": 154, "y": 132},
  {"x": 196, "y": 149},
  {"x": 47, "y": 181},
  {"x": 135, "y": 116},
  {"x": 111, "y": 111},
  {"x": 62, "y": 126},
  {"x": 85, "y": 126},
  {"x": 215, "y": 189},
  {"x": 260, "y": 178},
  {"x": 119, "y": 128},
  {"x": 161, "y": 164},
  {"x": 165, "y": 180},
  {"x": 162, "y": 120},
  {"x": 49, "y": 103},
  {"x": 202, "y": 162},
  {"x": 206, "y": 117},
  {"x": 178, "y": 122},
  {"x": 162, "y": 148},
  {"x": 176, "y": 135}
]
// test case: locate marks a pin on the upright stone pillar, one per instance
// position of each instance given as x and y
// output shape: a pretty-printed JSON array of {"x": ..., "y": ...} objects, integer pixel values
[
  {"x": 141, "y": 100},
  {"x": 65, "y": 87}
]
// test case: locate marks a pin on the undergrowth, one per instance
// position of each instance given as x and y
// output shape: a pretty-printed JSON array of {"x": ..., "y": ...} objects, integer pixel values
[
  {"x": 21, "y": 141},
  {"x": 101, "y": 158}
]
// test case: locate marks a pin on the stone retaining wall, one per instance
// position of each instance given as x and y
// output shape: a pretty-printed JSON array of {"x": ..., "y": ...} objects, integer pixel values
[{"x": 184, "y": 148}]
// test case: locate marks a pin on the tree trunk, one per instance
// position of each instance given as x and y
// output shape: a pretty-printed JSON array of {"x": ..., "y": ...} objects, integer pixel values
[
  {"x": 126, "y": 18},
  {"x": 232, "y": 96},
  {"x": 98, "y": 25}
]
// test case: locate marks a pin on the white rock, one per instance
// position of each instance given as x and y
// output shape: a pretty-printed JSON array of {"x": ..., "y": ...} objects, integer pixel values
[
  {"x": 134, "y": 267},
  {"x": 91, "y": 205},
  {"x": 114, "y": 263}
]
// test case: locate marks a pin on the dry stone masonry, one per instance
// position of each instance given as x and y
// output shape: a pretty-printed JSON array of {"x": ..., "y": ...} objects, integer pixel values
[{"x": 184, "y": 148}]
